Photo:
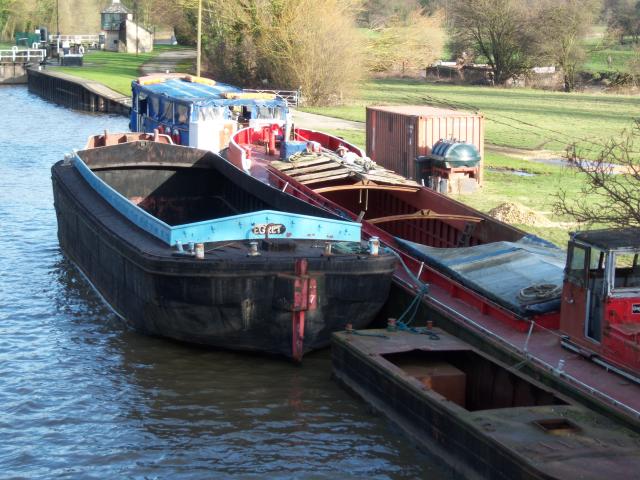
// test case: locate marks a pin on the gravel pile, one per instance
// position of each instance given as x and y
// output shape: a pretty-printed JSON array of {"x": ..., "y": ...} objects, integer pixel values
[{"x": 519, "y": 214}]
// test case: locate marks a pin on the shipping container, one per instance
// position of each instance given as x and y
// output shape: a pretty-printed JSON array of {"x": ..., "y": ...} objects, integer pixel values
[{"x": 396, "y": 135}]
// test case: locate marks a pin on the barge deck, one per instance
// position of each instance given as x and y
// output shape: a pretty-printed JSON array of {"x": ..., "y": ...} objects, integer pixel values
[{"x": 485, "y": 419}]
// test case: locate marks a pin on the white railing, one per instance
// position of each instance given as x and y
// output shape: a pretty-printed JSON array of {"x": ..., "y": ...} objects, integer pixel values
[
  {"x": 24, "y": 55},
  {"x": 291, "y": 96},
  {"x": 75, "y": 39}
]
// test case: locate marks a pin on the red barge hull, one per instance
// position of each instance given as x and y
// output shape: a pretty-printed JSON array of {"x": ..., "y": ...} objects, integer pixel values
[{"x": 531, "y": 342}]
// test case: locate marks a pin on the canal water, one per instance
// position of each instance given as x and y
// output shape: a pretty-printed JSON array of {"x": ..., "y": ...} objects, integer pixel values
[{"x": 82, "y": 396}]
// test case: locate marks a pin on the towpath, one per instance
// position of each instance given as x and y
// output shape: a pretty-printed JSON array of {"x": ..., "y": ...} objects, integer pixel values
[
  {"x": 168, "y": 61},
  {"x": 313, "y": 121}
]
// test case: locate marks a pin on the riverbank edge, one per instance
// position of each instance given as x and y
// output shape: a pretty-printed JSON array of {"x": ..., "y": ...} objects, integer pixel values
[{"x": 76, "y": 93}]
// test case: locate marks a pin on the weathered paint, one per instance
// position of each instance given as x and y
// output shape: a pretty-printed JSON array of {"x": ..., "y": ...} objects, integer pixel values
[{"x": 508, "y": 425}]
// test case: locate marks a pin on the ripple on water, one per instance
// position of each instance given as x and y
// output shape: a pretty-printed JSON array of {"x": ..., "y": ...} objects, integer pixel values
[{"x": 81, "y": 396}]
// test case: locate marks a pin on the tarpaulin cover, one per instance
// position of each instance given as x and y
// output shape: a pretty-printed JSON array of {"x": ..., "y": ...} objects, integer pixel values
[
  {"x": 289, "y": 148},
  {"x": 500, "y": 270},
  {"x": 201, "y": 94}
]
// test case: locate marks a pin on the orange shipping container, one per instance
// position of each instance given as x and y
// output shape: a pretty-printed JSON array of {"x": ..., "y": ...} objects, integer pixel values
[{"x": 396, "y": 135}]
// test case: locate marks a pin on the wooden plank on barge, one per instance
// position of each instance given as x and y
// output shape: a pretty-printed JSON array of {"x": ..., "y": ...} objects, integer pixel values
[
  {"x": 326, "y": 179},
  {"x": 313, "y": 169},
  {"x": 323, "y": 175},
  {"x": 285, "y": 166}
]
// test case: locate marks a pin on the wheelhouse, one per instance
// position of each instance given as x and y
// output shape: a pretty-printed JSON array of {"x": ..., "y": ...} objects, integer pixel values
[
  {"x": 200, "y": 112},
  {"x": 601, "y": 294}
]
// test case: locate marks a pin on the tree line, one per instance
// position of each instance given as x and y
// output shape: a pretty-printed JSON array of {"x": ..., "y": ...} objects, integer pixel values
[
  {"x": 326, "y": 46},
  {"x": 512, "y": 36}
]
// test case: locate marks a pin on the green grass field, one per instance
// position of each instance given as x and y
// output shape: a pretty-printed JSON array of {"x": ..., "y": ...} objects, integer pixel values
[
  {"x": 600, "y": 50},
  {"x": 518, "y": 117},
  {"x": 538, "y": 192},
  {"x": 597, "y": 59},
  {"x": 116, "y": 70}
]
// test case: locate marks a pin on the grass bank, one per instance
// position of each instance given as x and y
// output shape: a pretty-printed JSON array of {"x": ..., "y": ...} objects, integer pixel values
[
  {"x": 531, "y": 184},
  {"x": 117, "y": 70},
  {"x": 519, "y": 117}
]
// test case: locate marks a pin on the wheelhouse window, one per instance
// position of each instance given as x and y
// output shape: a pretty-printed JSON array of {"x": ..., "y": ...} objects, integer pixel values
[
  {"x": 154, "y": 107},
  {"x": 577, "y": 270},
  {"x": 181, "y": 114},
  {"x": 141, "y": 103},
  {"x": 265, "y": 112},
  {"x": 210, "y": 113},
  {"x": 626, "y": 272},
  {"x": 166, "y": 111}
]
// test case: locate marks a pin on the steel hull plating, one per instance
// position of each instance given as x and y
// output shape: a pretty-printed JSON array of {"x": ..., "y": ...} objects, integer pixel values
[
  {"x": 230, "y": 301},
  {"x": 483, "y": 418}
]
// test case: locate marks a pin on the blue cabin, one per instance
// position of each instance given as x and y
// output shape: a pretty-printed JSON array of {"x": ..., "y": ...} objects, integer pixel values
[{"x": 200, "y": 112}]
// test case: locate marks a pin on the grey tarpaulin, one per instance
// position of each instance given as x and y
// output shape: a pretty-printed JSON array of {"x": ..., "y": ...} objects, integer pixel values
[{"x": 500, "y": 270}]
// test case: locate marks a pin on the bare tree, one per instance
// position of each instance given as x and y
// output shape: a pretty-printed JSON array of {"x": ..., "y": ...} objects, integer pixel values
[
  {"x": 377, "y": 14},
  {"x": 611, "y": 192},
  {"x": 562, "y": 26},
  {"x": 502, "y": 31}
]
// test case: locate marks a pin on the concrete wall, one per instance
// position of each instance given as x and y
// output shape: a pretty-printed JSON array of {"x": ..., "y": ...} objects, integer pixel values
[
  {"x": 12, "y": 73},
  {"x": 144, "y": 36},
  {"x": 469, "y": 74}
]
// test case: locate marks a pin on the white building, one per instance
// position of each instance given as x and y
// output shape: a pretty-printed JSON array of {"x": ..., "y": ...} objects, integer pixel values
[{"x": 121, "y": 33}]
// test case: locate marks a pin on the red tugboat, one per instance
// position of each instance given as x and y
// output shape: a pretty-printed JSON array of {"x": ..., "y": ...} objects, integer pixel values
[{"x": 509, "y": 291}]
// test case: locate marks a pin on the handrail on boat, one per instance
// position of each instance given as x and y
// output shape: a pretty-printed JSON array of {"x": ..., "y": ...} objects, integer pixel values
[{"x": 372, "y": 186}]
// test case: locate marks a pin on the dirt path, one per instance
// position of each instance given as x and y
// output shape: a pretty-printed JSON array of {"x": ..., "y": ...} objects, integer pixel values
[
  {"x": 548, "y": 157},
  {"x": 167, "y": 61},
  {"x": 313, "y": 121}
]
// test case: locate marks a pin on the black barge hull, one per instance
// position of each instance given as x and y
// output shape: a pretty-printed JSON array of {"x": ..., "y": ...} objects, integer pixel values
[{"x": 231, "y": 300}]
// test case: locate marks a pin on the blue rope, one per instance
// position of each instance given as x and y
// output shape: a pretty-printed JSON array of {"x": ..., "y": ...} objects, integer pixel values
[
  {"x": 413, "y": 307},
  {"x": 419, "y": 331}
]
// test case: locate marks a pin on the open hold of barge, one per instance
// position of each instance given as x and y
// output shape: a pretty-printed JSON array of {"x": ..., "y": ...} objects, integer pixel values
[
  {"x": 183, "y": 245},
  {"x": 485, "y": 419}
]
